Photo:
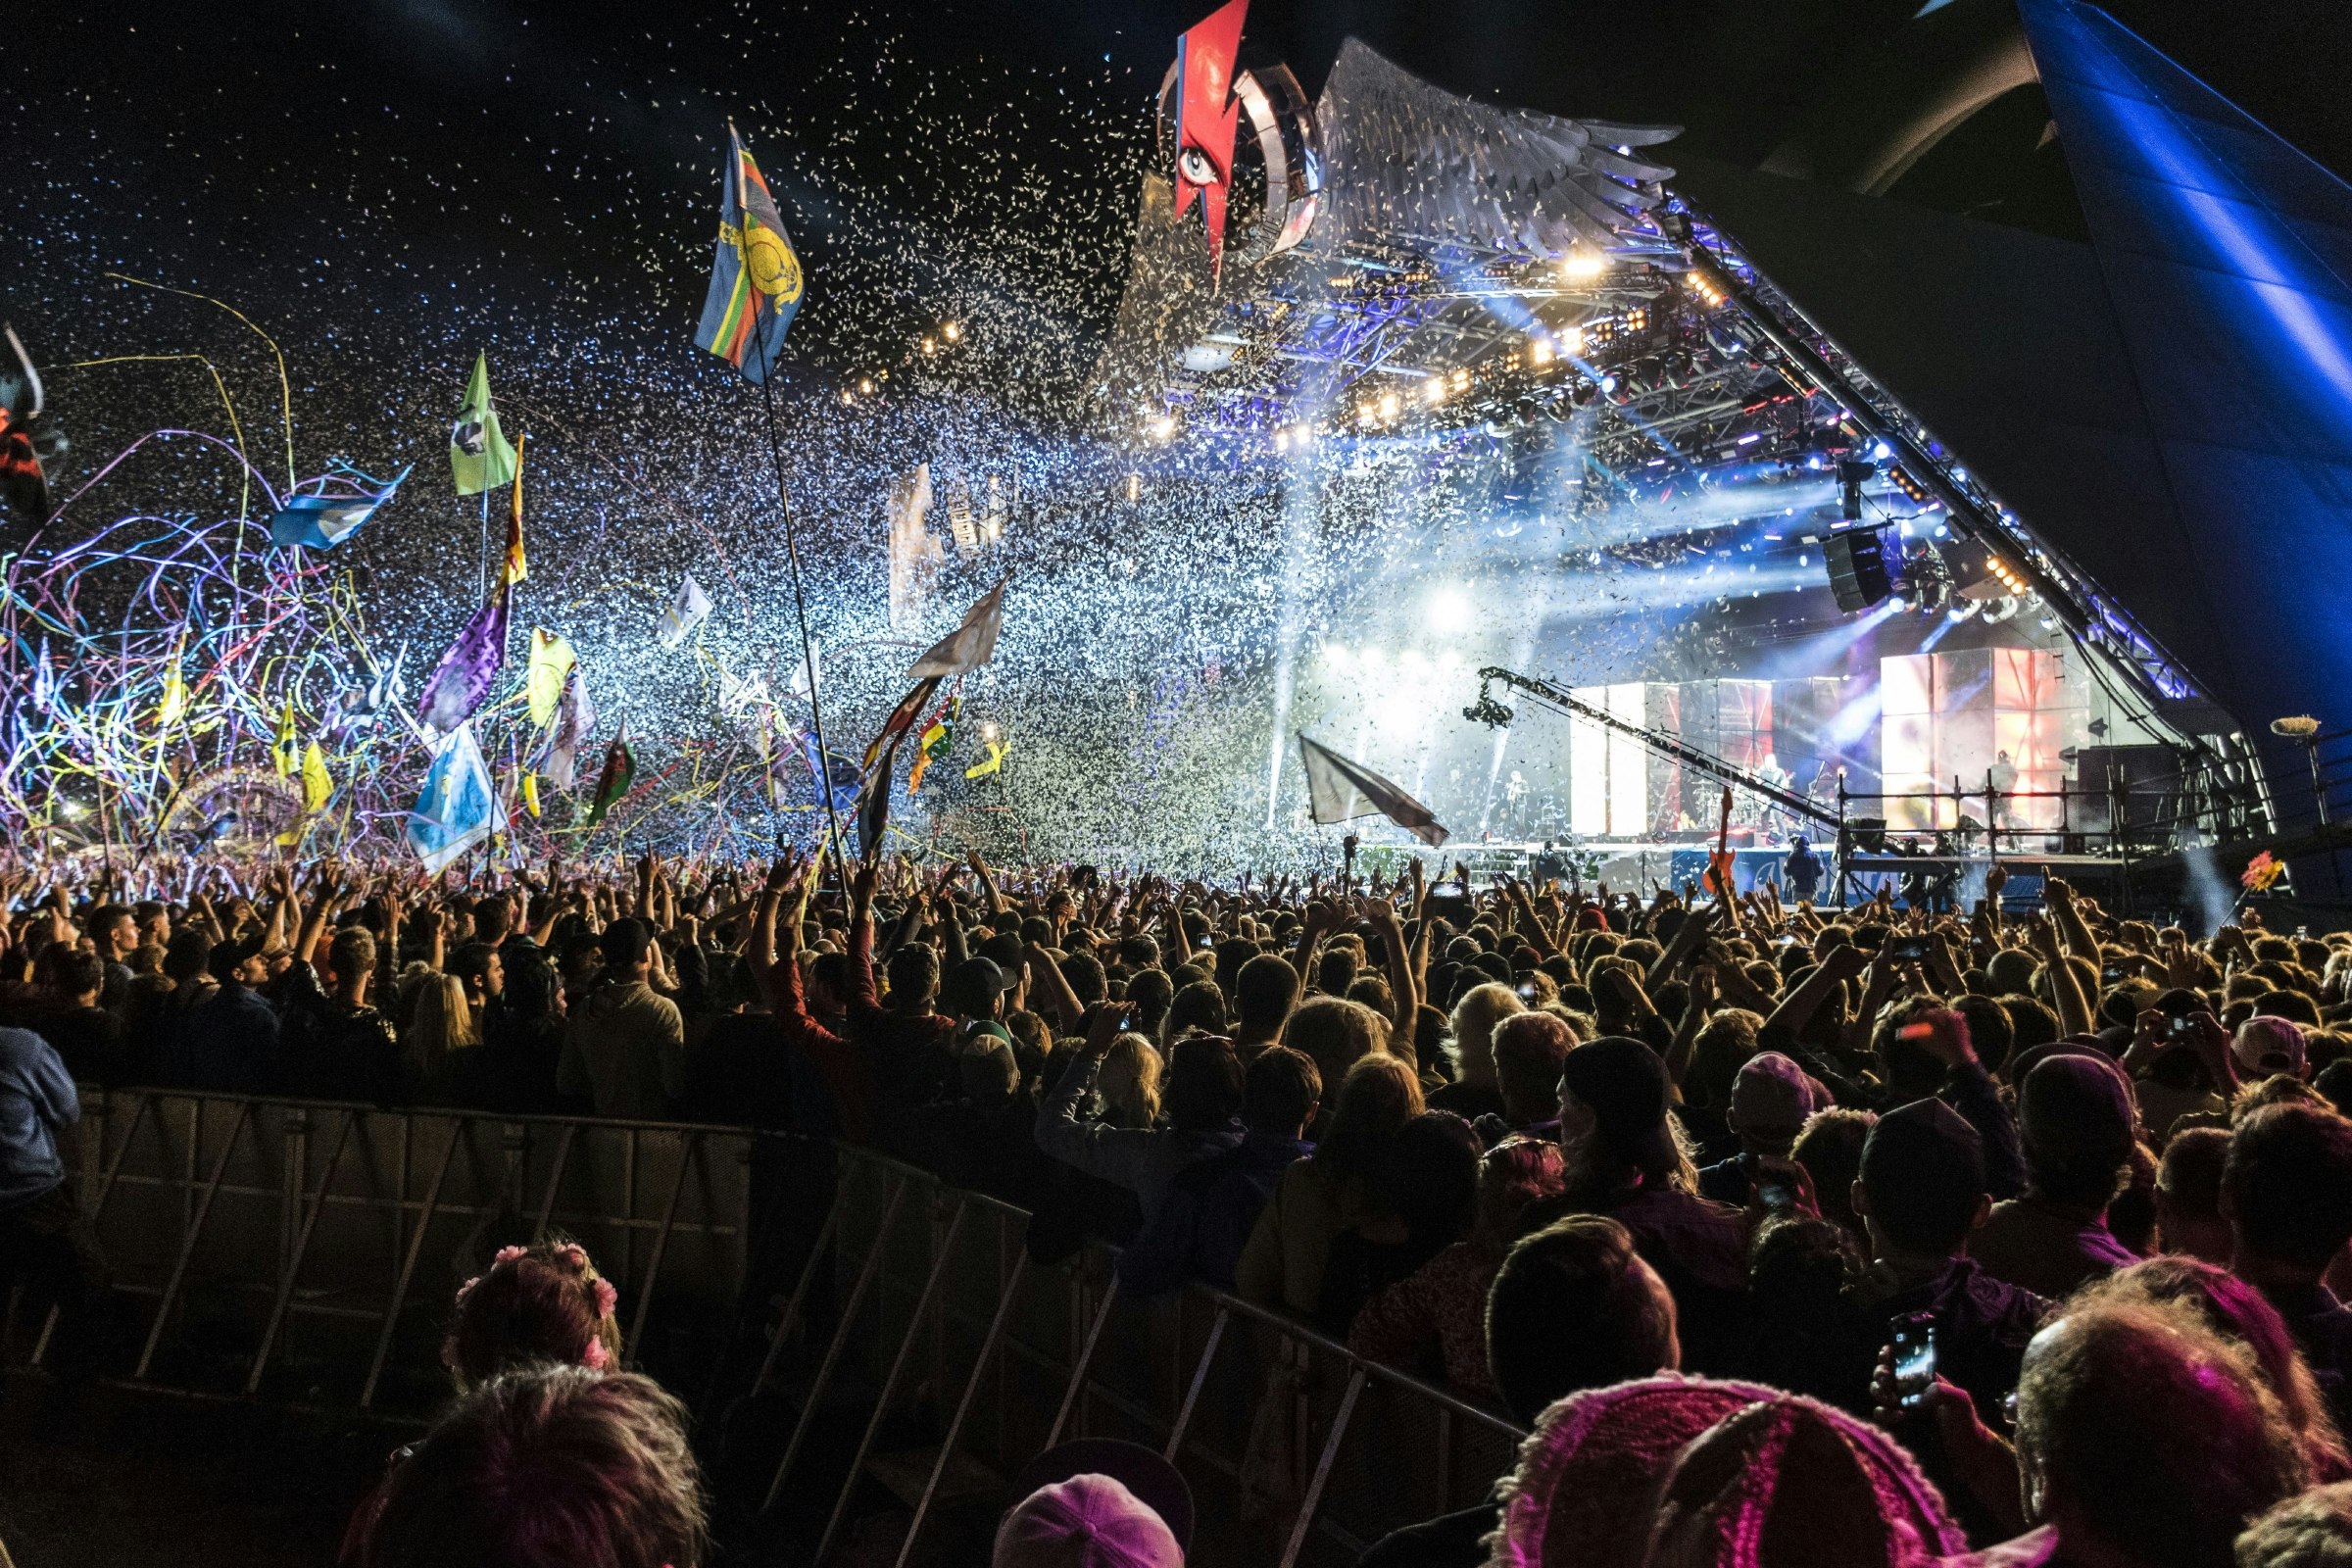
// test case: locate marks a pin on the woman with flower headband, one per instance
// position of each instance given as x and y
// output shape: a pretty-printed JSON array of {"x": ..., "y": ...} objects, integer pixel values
[{"x": 544, "y": 1303}]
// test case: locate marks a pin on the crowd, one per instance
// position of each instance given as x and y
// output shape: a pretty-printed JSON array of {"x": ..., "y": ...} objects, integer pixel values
[{"x": 1792, "y": 1235}]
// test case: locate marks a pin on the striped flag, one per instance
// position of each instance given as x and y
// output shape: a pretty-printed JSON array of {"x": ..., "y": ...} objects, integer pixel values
[{"x": 755, "y": 278}]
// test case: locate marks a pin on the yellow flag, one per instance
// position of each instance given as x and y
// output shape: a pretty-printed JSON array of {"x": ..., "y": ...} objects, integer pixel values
[
  {"x": 552, "y": 659},
  {"x": 317, "y": 785},
  {"x": 530, "y": 793},
  {"x": 174, "y": 706},
  {"x": 287, "y": 753},
  {"x": 517, "y": 568}
]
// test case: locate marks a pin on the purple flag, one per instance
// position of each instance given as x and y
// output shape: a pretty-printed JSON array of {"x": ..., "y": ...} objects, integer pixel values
[{"x": 463, "y": 677}]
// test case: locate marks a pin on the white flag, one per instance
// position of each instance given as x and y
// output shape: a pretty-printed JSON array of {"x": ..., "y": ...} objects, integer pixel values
[
  {"x": 688, "y": 611},
  {"x": 970, "y": 645},
  {"x": 1338, "y": 790},
  {"x": 575, "y": 716}
]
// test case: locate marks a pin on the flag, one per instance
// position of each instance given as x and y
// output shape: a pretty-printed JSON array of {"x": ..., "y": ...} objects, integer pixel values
[
  {"x": 517, "y": 568},
  {"x": 838, "y": 779},
  {"x": 970, "y": 645},
  {"x": 809, "y": 670},
  {"x": 688, "y": 610},
  {"x": 551, "y": 664},
  {"x": 1338, "y": 790},
  {"x": 995, "y": 763},
  {"x": 322, "y": 522},
  {"x": 530, "y": 793},
  {"x": 2262, "y": 873},
  {"x": 874, "y": 805},
  {"x": 756, "y": 276},
  {"x": 612, "y": 784},
  {"x": 935, "y": 742},
  {"x": 458, "y": 807},
  {"x": 318, "y": 784},
  {"x": 287, "y": 752},
  {"x": 479, "y": 458},
  {"x": 467, "y": 668},
  {"x": 575, "y": 718},
  {"x": 901, "y": 718},
  {"x": 174, "y": 706}
]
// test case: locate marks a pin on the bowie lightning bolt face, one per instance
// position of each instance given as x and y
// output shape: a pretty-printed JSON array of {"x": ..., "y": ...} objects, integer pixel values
[{"x": 1206, "y": 116}]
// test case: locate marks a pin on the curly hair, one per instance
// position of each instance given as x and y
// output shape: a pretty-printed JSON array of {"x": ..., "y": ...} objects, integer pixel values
[{"x": 544, "y": 1303}]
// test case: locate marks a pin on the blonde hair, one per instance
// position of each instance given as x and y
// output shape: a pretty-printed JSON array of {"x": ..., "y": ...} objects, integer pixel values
[
  {"x": 1475, "y": 1016},
  {"x": 443, "y": 1023},
  {"x": 1129, "y": 1082}
]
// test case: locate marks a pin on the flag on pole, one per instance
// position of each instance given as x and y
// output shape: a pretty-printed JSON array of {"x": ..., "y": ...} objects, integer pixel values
[
  {"x": 551, "y": 664},
  {"x": 322, "y": 522},
  {"x": 935, "y": 742},
  {"x": 530, "y": 793},
  {"x": 318, "y": 784},
  {"x": 479, "y": 458},
  {"x": 287, "y": 752},
  {"x": 517, "y": 568},
  {"x": 901, "y": 718},
  {"x": 1338, "y": 790},
  {"x": 756, "y": 276},
  {"x": 620, "y": 769},
  {"x": 838, "y": 779},
  {"x": 467, "y": 667},
  {"x": 174, "y": 706},
  {"x": 458, "y": 807},
  {"x": 575, "y": 717},
  {"x": 970, "y": 645},
  {"x": 688, "y": 610},
  {"x": 874, "y": 805},
  {"x": 995, "y": 763}
]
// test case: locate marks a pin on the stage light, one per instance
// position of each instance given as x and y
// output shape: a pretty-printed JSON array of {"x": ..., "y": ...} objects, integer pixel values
[
  {"x": 1411, "y": 662},
  {"x": 1389, "y": 404},
  {"x": 1302, "y": 434},
  {"x": 865, "y": 386},
  {"x": 1282, "y": 440},
  {"x": 989, "y": 731},
  {"x": 1164, "y": 427},
  {"x": 1461, "y": 377},
  {"x": 1448, "y": 612},
  {"x": 1366, "y": 416},
  {"x": 952, "y": 331},
  {"x": 1572, "y": 340},
  {"x": 1433, "y": 391},
  {"x": 1880, "y": 451},
  {"x": 1134, "y": 488},
  {"x": 1374, "y": 660},
  {"x": 930, "y": 345},
  {"x": 847, "y": 395},
  {"x": 1539, "y": 352},
  {"x": 1336, "y": 655},
  {"x": 1583, "y": 261}
]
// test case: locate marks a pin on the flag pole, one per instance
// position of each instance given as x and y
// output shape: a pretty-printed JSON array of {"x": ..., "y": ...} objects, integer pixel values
[{"x": 791, "y": 547}]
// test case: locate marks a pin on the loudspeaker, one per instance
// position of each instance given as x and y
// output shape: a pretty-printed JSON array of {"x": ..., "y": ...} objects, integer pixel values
[
  {"x": 1870, "y": 834},
  {"x": 2151, "y": 780},
  {"x": 1857, "y": 561}
]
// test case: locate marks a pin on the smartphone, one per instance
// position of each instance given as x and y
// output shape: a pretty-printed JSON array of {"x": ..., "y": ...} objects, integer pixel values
[
  {"x": 1911, "y": 950},
  {"x": 2183, "y": 1024},
  {"x": 2109, "y": 974},
  {"x": 1914, "y": 1358},
  {"x": 1772, "y": 1190}
]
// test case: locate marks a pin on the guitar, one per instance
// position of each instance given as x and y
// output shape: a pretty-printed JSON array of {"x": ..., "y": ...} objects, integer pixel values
[{"x": 1718, "y": 879}]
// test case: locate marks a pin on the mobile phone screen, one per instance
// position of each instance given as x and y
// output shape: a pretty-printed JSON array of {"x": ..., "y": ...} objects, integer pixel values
[{"x": 1914, "y": 1359}]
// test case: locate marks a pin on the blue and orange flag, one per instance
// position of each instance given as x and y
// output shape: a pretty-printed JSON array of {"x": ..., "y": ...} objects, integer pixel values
[{"x": 756, "y": 279}]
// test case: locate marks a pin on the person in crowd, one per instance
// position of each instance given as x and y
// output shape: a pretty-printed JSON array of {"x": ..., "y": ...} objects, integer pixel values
[
  {"x": 2312, "y": 1530},
  {"x": 544, "y": 1303},
  {"x": 2287, "y": 1188},
  {"x": 546, "y": 1466},
  {"x": 2078, "y": 1121},
  {"x": 1200, "y": 1227},
  {"x": 1475, "y": 1091},
  {"x": 1318, "y": 1198},
  {"x": 226, "y": 1035},
  {"x": 1528, "y": 1048},
  {"x": 2188, "y": 1196},
  {"x": 1771, "y": 1100},
  {"x": 1573, "y": 1307},
  {"x": 624, "y": 1047},
  {"x": 1098, "y": 1502},
  {"x": 336, "y": 1045},
  {"x": 48, "y": 1247},
  {"x": 1204, "y": 1095}
]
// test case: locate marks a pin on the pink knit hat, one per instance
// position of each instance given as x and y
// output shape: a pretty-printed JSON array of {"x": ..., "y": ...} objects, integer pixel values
[
  {"x": 1794, "y": 1484},
  {"x": 1582, "y": 1495}
]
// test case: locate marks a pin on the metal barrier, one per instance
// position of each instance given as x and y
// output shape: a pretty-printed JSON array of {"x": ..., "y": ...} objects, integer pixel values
[
  {"x": 304, "y": 1254},
  {"x": 307, "y": 1253},
  {"x": 969, "y": 1359}
]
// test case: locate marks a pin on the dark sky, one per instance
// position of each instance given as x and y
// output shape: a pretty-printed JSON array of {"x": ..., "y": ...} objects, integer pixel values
[{"x": 933, "y": 158}]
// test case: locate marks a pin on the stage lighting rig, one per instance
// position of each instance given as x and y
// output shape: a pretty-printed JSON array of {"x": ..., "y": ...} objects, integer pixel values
[
  {"x": 1486, "y": 710},
  {"x": 1850, "y": 477}
]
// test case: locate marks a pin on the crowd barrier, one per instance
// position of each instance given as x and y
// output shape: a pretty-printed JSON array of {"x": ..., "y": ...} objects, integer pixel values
[
  {"x": 906, "y": 1355},
  {"x": 307, "y": 1253}
]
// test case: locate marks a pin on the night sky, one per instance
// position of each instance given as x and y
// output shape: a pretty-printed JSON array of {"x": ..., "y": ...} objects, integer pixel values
[{"x": 932, "y": 159}]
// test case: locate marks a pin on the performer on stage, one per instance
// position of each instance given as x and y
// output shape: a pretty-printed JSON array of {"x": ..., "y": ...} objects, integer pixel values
[{"x": 1803, "y": 868}]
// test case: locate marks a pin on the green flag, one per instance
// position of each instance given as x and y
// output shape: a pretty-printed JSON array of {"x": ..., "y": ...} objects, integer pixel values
[{"x": 479, "y": 458}]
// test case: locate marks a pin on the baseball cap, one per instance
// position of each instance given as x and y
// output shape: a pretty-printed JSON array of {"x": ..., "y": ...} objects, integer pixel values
[
  {"x": 2268, "y": 1045},
  {"x": 1771, "y": 1097},
  {"x": 1097, "y": 1503},
  {"x": 973, "y": 986}
]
